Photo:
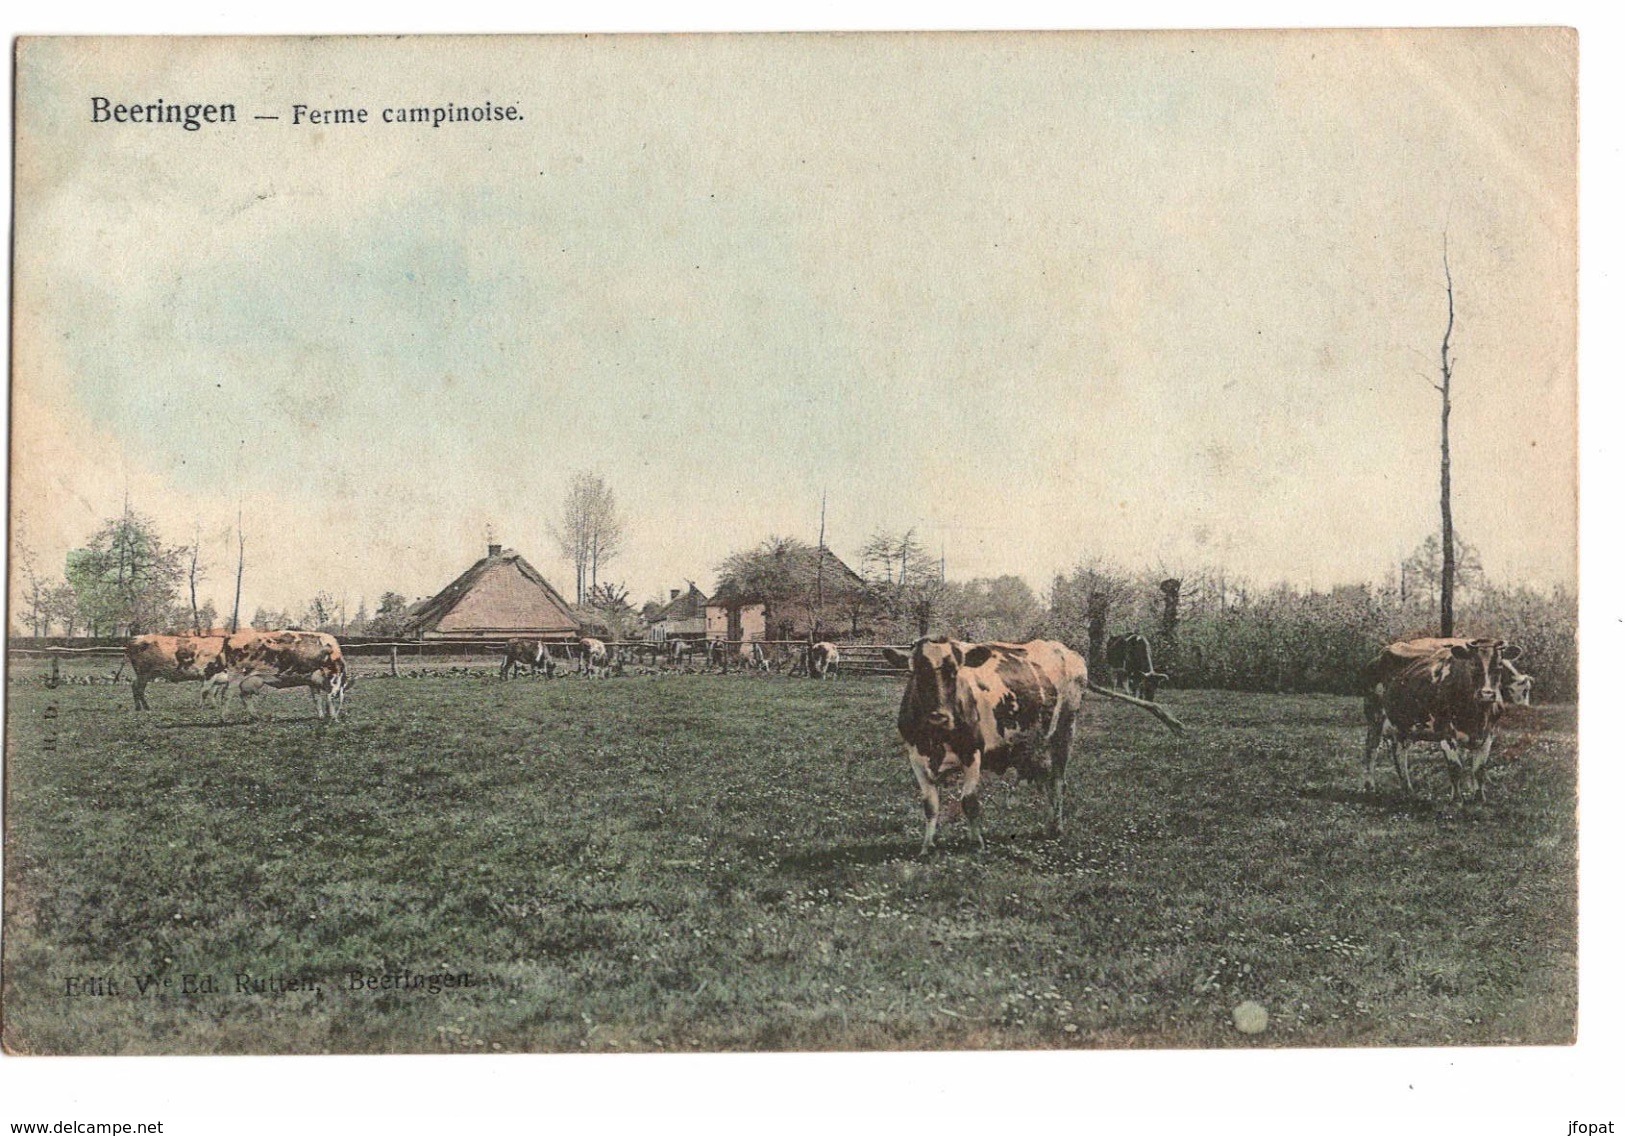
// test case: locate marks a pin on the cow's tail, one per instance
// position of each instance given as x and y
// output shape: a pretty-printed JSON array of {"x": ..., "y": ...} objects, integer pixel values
[{"x": 1151, "y": 708}]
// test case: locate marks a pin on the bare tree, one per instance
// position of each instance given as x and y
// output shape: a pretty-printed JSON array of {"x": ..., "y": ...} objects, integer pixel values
[
  {"x": 590, "y": 531},
  {"x": 1447, "y": 538},
  {"x": 237, "y": 602},
  {"x": 194, "y": 573}
]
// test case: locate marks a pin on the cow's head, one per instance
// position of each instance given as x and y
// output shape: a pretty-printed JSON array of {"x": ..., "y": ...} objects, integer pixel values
[
  {"x": 935, "y": 665},
  {"x": 1483, "y": 659}
]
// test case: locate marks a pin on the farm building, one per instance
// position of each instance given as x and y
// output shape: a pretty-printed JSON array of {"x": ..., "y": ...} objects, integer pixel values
[
  {"x": 682, "y": 618},
  {"x": 501, "y": 595},
  {"x": 787, "y": 593}
]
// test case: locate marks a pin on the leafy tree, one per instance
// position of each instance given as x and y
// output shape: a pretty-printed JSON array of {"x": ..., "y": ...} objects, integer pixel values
[
  {"x": 390, "y": 618},
  {"x": 322, "y": 612},
  {"x": 998, "y": 608},
  {"x": 126, "y": 579},
  {"x": 798, "y": 584},
  {"x": 268, "y": 620}
]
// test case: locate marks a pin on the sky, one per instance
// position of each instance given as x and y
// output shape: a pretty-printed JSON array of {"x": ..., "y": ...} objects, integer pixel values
[{"x": 1171, "y": 300}]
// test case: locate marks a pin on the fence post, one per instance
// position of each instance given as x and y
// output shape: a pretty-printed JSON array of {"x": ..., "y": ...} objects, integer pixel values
[
  {"x": 393, "y": 672},
  {"x": 56, "y": 673}
]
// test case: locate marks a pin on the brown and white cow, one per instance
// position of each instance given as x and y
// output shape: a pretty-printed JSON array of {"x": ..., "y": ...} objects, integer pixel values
[
  {"x": 993, "y": 707},
  {"x": 1128, "y": 657},
  {"x": 532, "y": 654},
  {"x": 1516, "y": 687},
  {"x": 173, "y": 658},
  {"x": 281, "y": 660},
  {"x": 1452, "y": 696},
  {"x": 594, "y": 656},
  {"x": 823, "y": 661}
]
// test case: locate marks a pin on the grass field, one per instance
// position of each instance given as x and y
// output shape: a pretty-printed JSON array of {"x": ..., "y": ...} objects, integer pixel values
[{"x": 728, "y": 862}]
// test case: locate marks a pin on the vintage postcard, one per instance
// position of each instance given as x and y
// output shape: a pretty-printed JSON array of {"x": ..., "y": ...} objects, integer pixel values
[{"x": 723, "y": 543}]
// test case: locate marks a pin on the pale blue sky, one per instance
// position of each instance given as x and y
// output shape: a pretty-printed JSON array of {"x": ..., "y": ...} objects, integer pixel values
[{"x": 1171, "y": 298}]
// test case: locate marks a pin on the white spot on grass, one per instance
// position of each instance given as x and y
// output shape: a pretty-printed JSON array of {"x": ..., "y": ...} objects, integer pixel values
[{"x": 1250, "y": 1017}]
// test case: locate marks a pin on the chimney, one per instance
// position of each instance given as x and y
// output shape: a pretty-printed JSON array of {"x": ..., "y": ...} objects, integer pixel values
[
  {"x": 675, "y": 592},
  {"x": 492, "y": 551}
]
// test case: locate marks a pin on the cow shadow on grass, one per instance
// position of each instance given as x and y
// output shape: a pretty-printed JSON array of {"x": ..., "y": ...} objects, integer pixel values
[
  {"x": 1377, "y": 801},
  {"x": 865, "y": 854}
]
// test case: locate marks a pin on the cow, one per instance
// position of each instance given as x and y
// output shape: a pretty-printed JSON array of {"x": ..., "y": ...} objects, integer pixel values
[
  {"x": 680, "y": 651},
  {"x": 173, "y": 658},
  {"x": 1128, "y": 657},
  {"x": 1452, "y": 696},
  {"x": 1516, "y": 687},
  {"x": 532, "y": 654},
  {"x": 752, "y": 656},
  {"x": 284, "y": 659},
  {"x": 594, "y": 656},
  {"x": 823, "y": 661},
  {"x": 991, "y": 707}
]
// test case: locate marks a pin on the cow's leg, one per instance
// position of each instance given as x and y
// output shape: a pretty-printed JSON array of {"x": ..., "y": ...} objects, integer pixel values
[
  {"x": 139, "y": 688},
  {"x": 930, "y": 798},
  {"x": 970, "y": 798},
  {"x": 1481, "y": 764},
  {"x": 1060, "y": 750},
  {"x": 1400, "y": 751},
  {"x": 1373, "y": 740},
  {"x": 1452, "y": 758}
]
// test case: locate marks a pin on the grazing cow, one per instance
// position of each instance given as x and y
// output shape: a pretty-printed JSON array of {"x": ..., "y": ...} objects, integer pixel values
[
  {"x": 680, "y": 651},
  {"x": 532, "y": 654},
  {"x": 823, "y": 661},
  {"x": 1452, "y": 696},
  {"x": 594, "y": 657},
  {"x": 284, "y": 659},
  {"x": 1128, "y": 657},
  {"x": 993, "y": 707},
  {"x": 172, "y": 658},
  {"x": 752, "y": 657},
  {"x": 1516, "y": 687}
]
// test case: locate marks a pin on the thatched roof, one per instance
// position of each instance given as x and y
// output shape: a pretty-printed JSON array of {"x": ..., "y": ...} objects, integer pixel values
[{"x": 502, "y": 594}]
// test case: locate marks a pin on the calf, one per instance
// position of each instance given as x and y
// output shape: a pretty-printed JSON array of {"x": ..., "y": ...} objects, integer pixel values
[
  {"x": 1452, "y": 696},
  {"x": 172, "y": 658},
  {"x": 993, "y": 707}
]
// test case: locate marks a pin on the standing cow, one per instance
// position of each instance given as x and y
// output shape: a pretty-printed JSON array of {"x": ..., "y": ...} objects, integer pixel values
[
  {"x": 173, "y": 658},
  {"x": 752, "y": 657},
  {"x": 594, "y": 657},
  {"x": 1516, "y": 687},
  {"x": 1128, "y": 657},
  {"x": 532, "y": 654},
  {"x": 1451, "y": 696},
  {"x": 823, "y": 661},
  {"x": 993, "y": 707},
  {"x": 281, "y": 660}
]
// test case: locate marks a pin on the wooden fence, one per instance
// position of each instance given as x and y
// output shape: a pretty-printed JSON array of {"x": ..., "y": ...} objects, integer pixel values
[{"x": 780, "y": 655}]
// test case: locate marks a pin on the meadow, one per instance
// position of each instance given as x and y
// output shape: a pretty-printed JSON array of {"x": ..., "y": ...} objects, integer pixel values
[{"x": 707, "y": 862}]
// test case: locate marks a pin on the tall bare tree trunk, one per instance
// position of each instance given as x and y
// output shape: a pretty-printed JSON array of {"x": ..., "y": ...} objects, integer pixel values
[
  {"x": 237, "y": 600},
  {"x": 1447, "y": 539},
  {"x": 191, "y": 580}
]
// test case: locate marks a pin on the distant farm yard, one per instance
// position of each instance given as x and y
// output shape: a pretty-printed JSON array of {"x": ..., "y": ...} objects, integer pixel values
[{"x": 701, "y": 862}]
